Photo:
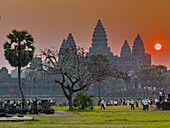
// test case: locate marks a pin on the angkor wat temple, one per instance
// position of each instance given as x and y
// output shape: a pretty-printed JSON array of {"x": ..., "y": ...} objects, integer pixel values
[{"x": 129, "y": 60}]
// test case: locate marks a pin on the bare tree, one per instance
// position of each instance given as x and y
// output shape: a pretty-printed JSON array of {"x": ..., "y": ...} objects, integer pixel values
[{"x": 74, "y": 71}]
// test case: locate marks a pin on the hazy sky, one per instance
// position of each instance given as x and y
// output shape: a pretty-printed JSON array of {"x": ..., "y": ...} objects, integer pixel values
[{"x": 50, "y": 21}]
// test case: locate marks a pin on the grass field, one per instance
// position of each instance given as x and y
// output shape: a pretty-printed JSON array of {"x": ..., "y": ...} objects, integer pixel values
[{"x": 113, "y": 116}]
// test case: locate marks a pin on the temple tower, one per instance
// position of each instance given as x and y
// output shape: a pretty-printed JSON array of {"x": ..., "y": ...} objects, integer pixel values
[
  {"x": 4, "y": 73},
  {"x": 138, "y": 53},
  {"x": 99, "y": 41},
  {"x": 125, "y": 60},
  {"x": 68, "y": 44},
  {"x": 138, "y": 47},
  {"x": 68, "y": 49},
  {"x": 125, "y": 50}
]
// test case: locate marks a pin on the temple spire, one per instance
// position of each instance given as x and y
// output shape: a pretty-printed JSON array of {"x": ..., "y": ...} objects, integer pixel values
[
  {"x": 99, "y": 23},
  {"x": 99, "y": 35},
  {"x": 63, "y": 43},
  {"x": 125, "y": 50},
  {"x": 68, "y": 46},
  {"x": 138, "y": 46},
  {"x": 69, "y": 42},
  {"x": 99, "y": 41},
  {"x": 70, "y": 37}
]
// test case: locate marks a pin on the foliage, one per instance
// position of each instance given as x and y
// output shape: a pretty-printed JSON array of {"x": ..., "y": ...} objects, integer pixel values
[
  {"x": 115, "y": 83},
  {"x": 101, "y": 68},
  {"x": 153, "y": 74},
  {"x": 83, "y": 101},
  {"x": 167, "y": 81},
  {"x": 99, "y": 65},
  {"x": 19, "y": 42}
]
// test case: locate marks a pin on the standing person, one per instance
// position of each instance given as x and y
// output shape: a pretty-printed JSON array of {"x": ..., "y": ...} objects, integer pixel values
[
  {"x": 39, "y": 104},
  {"x": 163, "y": 96},
  {"x": 147, "y": 105},
  {"x": 132, "y": 104},
  {"x": 156, "y": 100},
  {"x": 2, "y": 103},
  {"x": 160, "y": 94},
  {"x": 111, "y": 103},
  {"x": 151, "y": 104},
  {"x": 8, "y": 102},
  {"x": 143, "y": 103},
  {"x": 137, "y": 103},
  {"x": 115, "y": 102},
  {"x": 5, "y": 105},
  {"x": 123, "y": 102},
  {"x": 102, "y": 105},
  {"x": 108, "y": 103},
  {"x": 14, "y": 105}
]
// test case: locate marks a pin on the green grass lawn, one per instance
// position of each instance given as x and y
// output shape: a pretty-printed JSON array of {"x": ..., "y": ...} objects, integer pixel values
[{"x": 113, "y": 116}]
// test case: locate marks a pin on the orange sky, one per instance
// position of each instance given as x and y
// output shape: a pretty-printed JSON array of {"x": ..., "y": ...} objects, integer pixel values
[{"x": 49, "y": 21}]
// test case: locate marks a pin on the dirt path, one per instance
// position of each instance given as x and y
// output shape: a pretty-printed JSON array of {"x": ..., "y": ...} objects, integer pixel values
[
  {"x": 120, "y": 110},
  {"x": 61, "y": 112}
]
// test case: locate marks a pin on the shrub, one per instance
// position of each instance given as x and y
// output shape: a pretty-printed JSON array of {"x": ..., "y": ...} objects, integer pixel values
[{"x": 83, "y": 101}]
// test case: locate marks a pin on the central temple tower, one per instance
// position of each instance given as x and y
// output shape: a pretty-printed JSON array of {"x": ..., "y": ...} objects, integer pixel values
[{"x": 99, "y": 41}]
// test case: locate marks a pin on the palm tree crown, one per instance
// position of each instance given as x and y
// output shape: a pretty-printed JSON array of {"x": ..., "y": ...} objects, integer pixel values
[{"x": 20, "y": 42}]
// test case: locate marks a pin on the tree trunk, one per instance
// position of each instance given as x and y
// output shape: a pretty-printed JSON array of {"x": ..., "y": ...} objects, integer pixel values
[
  {"x": 19, "y": 80},
  {"x": 99, "y": 92},
  {"x": 70, "y": 103},
  {"x": 20, "y": 88}
]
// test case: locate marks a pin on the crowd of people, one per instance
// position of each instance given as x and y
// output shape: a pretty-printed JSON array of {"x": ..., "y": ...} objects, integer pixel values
[
  {"x": 146, "y": 103},
  {"x": 4, "y": 103}
]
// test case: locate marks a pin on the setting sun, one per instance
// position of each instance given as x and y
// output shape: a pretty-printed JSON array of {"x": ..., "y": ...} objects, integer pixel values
[{"x": 158, "y": 46}]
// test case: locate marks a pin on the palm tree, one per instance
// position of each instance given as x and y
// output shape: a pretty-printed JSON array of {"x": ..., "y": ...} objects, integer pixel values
[{"x": 19, "y": 51}]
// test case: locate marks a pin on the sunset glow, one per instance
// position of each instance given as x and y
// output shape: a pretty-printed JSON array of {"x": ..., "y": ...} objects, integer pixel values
[
  {"x": 158, "y": 46},
  {"x": 51, "y": 21}
]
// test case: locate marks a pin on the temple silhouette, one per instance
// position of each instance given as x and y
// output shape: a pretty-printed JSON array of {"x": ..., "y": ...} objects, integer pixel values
[{"x": 129, "y": 60}]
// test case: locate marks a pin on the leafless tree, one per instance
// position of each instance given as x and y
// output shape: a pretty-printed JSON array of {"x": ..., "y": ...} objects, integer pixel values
[{"x": 74, "y": 71}]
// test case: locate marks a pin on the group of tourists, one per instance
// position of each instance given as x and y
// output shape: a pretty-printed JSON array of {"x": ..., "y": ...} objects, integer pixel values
[
  {"x": 18, "y": 103},
  {"x": 5, "y": 103},
  {"x": 145, "y": 103}
]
